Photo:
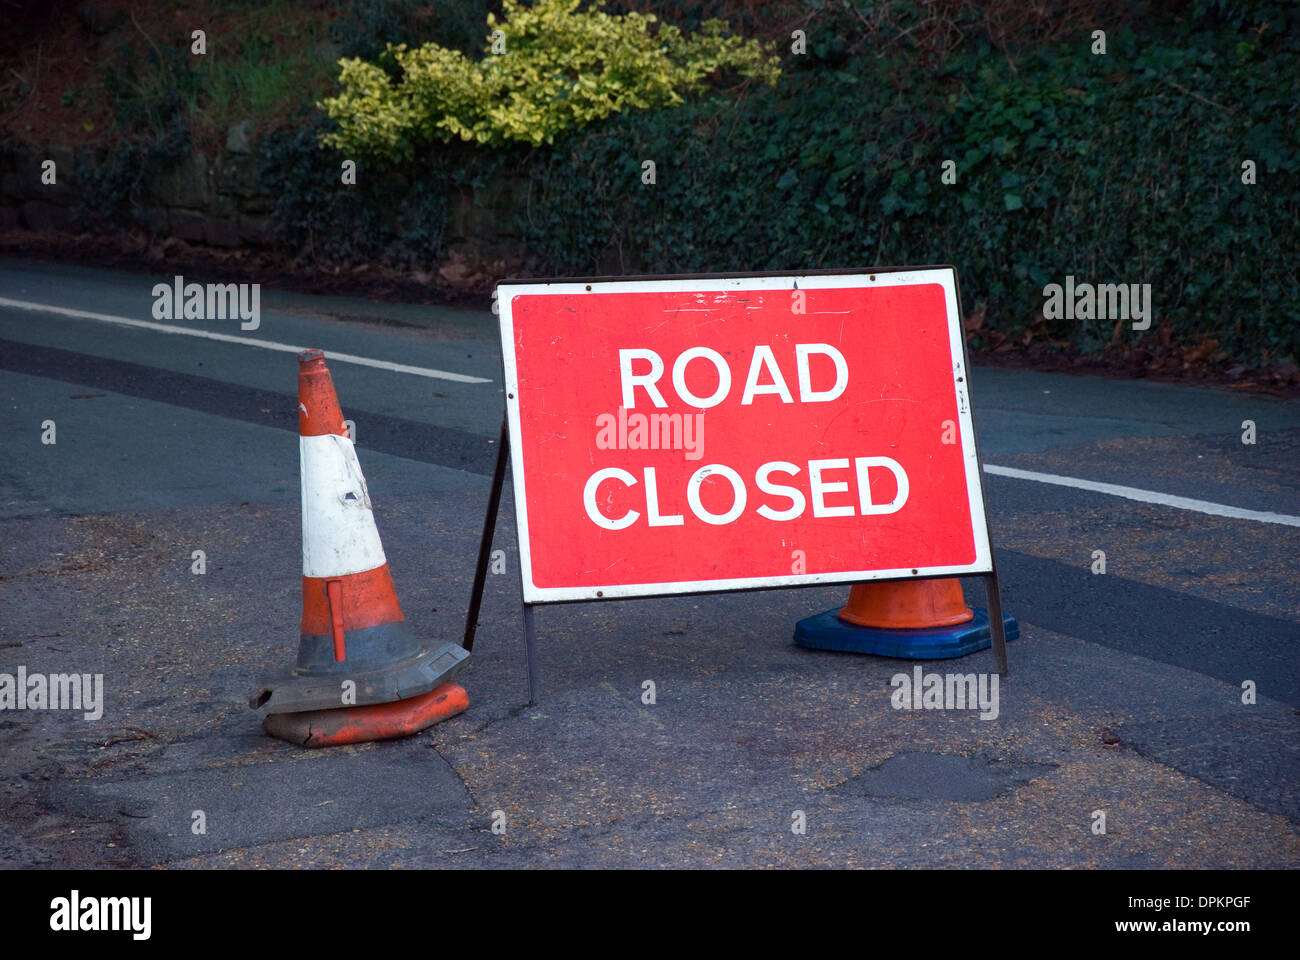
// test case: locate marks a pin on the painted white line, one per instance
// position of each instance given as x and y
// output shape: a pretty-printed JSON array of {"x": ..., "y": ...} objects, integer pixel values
[
  {"x": 1146, "y": 496},
  {"x": 246, "y": 341}
]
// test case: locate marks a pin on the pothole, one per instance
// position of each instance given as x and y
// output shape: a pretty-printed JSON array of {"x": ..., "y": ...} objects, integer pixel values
[{"x": 917, "y": 775}]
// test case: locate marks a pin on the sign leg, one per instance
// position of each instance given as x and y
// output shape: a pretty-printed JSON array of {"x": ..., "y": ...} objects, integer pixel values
[
  {"x": 996, "y": 624},
  {"x": 485, "y": 543},
  {"x": 530, "y": 647}
]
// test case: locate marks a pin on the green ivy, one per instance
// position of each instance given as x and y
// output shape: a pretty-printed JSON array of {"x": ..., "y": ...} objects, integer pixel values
[
  {"x": 393, "y": 215},
  {"x": 1123, "y": 168}
]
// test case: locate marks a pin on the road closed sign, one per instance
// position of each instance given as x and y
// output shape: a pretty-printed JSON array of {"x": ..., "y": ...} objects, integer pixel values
[{"x": 680, "y": 435}]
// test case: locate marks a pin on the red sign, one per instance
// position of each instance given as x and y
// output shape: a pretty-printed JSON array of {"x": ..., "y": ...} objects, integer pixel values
[{"x": 682, "y": 435}]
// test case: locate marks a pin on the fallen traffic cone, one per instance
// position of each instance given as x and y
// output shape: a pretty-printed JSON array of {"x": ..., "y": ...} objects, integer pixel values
[
  {"x": 361, "y": 673},
  {"x": 911, "y": 619}
]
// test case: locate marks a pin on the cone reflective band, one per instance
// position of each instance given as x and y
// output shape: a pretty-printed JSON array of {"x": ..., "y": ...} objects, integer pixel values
[
  {"x": 355, "y": 647},
  {"x": 691, "y": 434}
]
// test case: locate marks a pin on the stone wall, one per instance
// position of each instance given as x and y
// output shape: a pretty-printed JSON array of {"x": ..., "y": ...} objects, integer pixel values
[{"x": 213, "y": 201}]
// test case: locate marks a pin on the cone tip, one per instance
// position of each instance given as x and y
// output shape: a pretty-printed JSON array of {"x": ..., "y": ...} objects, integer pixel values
[{"x": 307, "y": 356}]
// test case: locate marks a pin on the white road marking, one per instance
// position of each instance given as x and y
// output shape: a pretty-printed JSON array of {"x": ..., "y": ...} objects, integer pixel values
[
  {"x": 246, "y": 341},
  {"x": 1146, "y": 496}
]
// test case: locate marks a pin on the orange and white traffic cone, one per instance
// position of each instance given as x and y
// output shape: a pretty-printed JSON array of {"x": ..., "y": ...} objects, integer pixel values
[
  {"x": 910, "y": 619},
  {"x": 361, "y": 673}
]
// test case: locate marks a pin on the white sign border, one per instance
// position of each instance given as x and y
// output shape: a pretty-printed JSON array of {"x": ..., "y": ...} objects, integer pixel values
[{"x": 945, "y": 276}]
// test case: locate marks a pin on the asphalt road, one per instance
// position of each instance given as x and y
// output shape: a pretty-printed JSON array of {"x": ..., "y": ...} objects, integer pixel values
[{"x": 1125, "y": 694}]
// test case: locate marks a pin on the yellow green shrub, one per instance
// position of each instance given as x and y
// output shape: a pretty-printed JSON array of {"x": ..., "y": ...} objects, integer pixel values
[{"x": 547, "y": 69}]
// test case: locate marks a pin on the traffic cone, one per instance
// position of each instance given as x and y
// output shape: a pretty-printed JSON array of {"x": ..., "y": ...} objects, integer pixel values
[
  {"x": 911, "y": 619},
  {"x": 361, "y": 673}
]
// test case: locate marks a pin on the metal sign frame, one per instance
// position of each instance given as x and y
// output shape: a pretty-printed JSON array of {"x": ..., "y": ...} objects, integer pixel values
[{"x": 945, "y": 275}]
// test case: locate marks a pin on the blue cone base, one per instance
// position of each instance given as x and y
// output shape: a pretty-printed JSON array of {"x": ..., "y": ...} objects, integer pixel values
[{"x": 826, "y": 631}]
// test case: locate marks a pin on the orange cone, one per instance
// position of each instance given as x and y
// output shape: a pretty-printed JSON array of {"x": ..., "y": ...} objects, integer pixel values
[
  {"x": 355, "y": 649},
  {"x": 907, "y": 604}
]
